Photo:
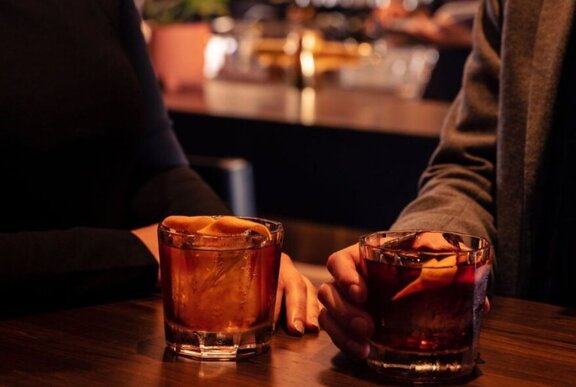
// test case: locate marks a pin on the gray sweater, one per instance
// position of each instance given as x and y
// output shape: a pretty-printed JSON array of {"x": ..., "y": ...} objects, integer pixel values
[{"x": 482, "y": 177}]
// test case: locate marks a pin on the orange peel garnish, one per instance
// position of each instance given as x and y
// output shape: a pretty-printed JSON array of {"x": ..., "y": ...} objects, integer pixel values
[
  {"x": 187, "y": 224},
  {"x": 217, "y": 226},
  {"x": 231, "y": 225},
  {"x": 435, "y": 274}
]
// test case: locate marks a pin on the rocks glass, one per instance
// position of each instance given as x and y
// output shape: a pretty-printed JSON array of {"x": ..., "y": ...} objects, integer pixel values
[
  {"x": 219, "y": 291},
  {"x": 426, "y": 291}
]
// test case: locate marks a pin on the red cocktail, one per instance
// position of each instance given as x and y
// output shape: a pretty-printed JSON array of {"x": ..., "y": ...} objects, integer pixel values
[{"x": 425, "y": 293}]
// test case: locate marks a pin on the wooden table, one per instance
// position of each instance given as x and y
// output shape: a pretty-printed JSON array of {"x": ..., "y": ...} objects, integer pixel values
[
  {"x": 121, "y": 344},
  {"x": 522, "y": 343}
]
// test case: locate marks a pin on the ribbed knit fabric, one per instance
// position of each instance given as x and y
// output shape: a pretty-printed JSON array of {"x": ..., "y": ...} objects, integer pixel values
[{"x": 554, "y": 220}]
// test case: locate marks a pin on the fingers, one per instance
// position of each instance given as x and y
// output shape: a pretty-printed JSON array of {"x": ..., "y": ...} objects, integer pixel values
[
  {"x": 279, "y": 299},
  {"x": 432, "y": 241},
  {"x": 344, "y": 266},
  {"x": 313, "y": 307},
  {"x": 354, "y": 349},
  {"x": 486, "y": 306},
  {"x": 149, "y": 237},
  {"x": 348, "y": 326},
  {"x": 294, "y": 292},
  {"x": 300, "y": 299}
]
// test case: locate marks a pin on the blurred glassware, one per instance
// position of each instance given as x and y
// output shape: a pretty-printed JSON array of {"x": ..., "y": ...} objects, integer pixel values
[{"x": 400, "y": 70}]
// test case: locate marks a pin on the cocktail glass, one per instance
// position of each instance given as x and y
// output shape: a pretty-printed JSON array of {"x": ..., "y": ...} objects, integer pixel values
[
  {"x": 219, "y": 291},
  {"x": 426, "y": 292}
]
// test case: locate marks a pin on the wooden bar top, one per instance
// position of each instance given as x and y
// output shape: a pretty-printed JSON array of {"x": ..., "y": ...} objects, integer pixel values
[
  {"x": 122, "y": 344},
  {"x": 332, "y": 107}
]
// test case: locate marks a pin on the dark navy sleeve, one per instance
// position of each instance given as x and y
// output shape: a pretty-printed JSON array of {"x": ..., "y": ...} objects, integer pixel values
[
  {"x": 172, "y": 188},
  {"x": 161, "y": 148}
]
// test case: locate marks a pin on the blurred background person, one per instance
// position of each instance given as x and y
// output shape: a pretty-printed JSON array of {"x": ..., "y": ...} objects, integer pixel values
[{"x": 444, "y": 24}]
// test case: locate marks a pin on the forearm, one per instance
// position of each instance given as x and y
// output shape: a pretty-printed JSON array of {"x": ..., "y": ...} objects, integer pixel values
[
  {"x": 42, "y": 270},
  {"x": 457, "y": 189},
  {"x": 176, "y": 191}
]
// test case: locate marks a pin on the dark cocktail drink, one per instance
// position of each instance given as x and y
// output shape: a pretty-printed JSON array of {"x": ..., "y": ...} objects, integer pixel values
[
  {"x": 426, "y": 300},
  {"x": 219, "y": 291}
]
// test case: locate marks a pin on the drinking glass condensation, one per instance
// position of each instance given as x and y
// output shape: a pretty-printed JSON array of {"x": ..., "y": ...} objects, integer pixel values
[
  {"x": 219, "y": 292},
  {"x": 426, "y": 302}
]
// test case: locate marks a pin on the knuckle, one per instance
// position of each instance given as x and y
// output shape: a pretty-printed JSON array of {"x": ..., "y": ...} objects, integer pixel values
[
  {"x": 324, "y": 293},
  {"x": 331, "y": 260}
]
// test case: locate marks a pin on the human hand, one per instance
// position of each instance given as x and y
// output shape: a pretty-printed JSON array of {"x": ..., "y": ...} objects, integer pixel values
[
  {"x": 299, "y": 297},
  {"x": 298, "y": 293},
  {"x": 148, "y": 235},
  {"x": 343, "y": 318}
]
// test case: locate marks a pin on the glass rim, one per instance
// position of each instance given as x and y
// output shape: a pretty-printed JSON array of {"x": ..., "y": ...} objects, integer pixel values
[
  {"x": 279, "y": 228},
  {"x": 364, "y": 242}
]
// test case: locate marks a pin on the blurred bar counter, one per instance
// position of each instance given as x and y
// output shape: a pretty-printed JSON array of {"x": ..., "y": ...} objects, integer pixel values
[
  {"x": 332, "y": 161},
  {"x": 334, "y": 107}
]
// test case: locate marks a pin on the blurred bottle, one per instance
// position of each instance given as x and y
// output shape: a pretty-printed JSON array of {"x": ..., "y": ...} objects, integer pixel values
[{"x": 300, "y": 46}]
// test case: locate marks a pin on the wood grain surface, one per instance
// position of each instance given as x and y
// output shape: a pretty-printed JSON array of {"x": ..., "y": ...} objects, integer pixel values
[{"x": 121, "y": 344}]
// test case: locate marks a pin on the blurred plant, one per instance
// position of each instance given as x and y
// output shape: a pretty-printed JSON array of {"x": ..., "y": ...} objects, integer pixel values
[{"x": 178, "y": 11}]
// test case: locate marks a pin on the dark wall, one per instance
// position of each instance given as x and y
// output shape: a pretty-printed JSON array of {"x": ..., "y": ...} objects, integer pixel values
[{"x": 346, "y": 177}]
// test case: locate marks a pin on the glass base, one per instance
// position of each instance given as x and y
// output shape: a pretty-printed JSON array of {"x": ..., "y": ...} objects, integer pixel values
[
  {"x": 218, "y": 346},
  {"x": 423, "y": 368}
]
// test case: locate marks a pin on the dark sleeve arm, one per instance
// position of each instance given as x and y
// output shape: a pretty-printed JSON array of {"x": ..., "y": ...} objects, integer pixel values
[
  {"x": 457, "y": 189},
  {"x": 62, "y": 268},
  {"x": 170, "y": 186},
  {"x": 161, "y": 148},
  {"x": 176, "y": 191},
  {"x": 53, "y": 269},
  {"x": 46, "y": 270}
]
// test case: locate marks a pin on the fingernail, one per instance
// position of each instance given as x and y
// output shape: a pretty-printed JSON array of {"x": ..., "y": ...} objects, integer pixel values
[
  {"x": 299, "y": 326},
  {"x": 316, "y": 324},
  {"x": 359, "y": 326}
]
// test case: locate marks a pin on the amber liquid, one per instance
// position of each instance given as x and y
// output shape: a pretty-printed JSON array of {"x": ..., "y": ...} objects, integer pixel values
[{"x": 219, "y": 297}]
